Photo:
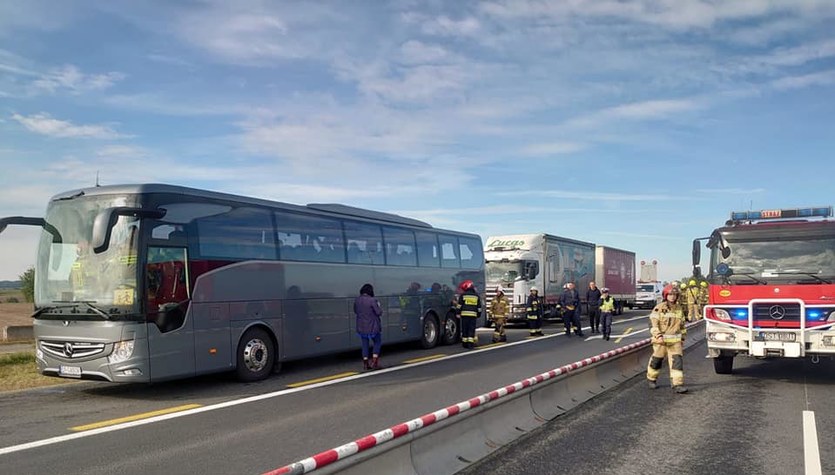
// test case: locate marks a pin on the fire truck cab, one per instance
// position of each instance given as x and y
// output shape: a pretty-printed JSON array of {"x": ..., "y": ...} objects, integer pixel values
[{"x": 772, "y": 285}]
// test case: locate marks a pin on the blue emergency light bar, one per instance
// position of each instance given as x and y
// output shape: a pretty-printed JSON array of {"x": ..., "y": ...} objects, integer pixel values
[{"x": 825, "y": 212}]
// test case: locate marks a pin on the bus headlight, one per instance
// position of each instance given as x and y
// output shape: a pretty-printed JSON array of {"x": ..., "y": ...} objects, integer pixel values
[{"x": 122, "y": 350}]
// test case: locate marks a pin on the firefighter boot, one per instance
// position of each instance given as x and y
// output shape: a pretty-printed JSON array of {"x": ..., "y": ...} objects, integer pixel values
[
  {"x": 680, "y": 389},
  {"x": 366, "y": 365},
  {"x": 652, "y": 384}
]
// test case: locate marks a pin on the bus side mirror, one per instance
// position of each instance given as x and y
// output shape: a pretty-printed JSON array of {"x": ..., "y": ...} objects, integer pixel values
[
  {"x": 40, "y": 222},
  {"x": 106, "y": 219}
]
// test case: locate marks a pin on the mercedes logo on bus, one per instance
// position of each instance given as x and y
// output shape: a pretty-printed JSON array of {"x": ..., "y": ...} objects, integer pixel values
[
  {"x": 68, "y": 349},
  {"x": 777, "y": 312}
]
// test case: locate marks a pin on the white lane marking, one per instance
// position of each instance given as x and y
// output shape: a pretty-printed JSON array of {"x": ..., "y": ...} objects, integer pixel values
[
  {"x": 811, "y": 452},
  {"x": 223, "y": 405},
  {"x": 260, "y": 397}
]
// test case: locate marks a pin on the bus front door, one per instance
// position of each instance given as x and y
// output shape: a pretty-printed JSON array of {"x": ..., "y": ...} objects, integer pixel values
[{"x": 170, "y": 327}]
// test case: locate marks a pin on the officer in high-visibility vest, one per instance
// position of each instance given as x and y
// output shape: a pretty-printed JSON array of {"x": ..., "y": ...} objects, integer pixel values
[
  {"x": 469, "y": 308},
  {"x": 533, "y": 307},
  {"x": 667, "y": 329}
]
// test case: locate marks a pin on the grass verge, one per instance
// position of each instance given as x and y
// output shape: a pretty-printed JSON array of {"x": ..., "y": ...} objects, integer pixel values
[{"x": 18, "y": 371}]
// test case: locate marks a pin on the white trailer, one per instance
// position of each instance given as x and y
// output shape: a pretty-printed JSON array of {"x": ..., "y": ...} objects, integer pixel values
[{"x": 519, "y": 261}]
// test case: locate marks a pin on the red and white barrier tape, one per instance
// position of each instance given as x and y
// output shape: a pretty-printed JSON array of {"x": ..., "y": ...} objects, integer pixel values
[{"x": 339, "y": 453}]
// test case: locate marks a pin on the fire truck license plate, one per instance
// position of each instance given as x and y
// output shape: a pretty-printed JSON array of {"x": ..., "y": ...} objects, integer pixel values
[{"x": 777, "y": 336}]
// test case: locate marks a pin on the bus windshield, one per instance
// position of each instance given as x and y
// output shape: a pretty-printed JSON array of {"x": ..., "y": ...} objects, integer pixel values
[
  {"x": 69, "y": 273},
  {"x": 789, "y": 260},
  {"x": 506, "y": 272}
]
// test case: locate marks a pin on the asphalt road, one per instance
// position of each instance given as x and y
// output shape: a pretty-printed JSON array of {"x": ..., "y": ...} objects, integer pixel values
[
  {"x": 750, "y": 422},
  {"x": 277, "y": 424}
]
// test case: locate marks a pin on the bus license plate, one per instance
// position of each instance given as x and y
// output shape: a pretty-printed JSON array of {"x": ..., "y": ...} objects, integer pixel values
[
  {"x": 777, "y": 336},
  {"x": 69, "y": 371}
]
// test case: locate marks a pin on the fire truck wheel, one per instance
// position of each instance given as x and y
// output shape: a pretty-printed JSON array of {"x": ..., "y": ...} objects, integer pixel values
[{"x": 723, "y": 364}]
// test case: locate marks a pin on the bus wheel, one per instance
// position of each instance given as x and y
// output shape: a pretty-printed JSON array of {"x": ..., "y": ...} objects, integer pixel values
[
  {"x": 256, "y": 355},
  {"x": 451, "y": 330},
  {"x": 429, "y": 336},
  {"x": 724, "y": 364}
]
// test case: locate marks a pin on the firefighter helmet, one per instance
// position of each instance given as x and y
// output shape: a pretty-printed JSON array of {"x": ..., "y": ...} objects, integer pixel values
[
  {"x": 668, "y": 290},
  {"x": 535, "y": 289},
  {"x": 466, "y": 285},
  {"x": 703, "y": 283},
  {"x": 692, "y": 282},
  {"x": 499, "y": 290}
]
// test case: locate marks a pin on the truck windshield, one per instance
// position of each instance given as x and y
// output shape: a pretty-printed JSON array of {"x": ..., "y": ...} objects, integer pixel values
[
  {"x": 73, "y": 281},
  {"x": 646, "y": 288},
  {"x": 783, "y": 261},
  {"x": 506, "y": 272}
]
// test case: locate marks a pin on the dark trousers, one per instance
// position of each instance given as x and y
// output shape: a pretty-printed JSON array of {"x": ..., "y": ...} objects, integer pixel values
[
  {"x": 572, "y": 318},
  {"x": 534, "y": 325},
  {"x": 468, "y": 325},
  {"x": 606, "y": 318},
  {"x": 594, "y": 318}
]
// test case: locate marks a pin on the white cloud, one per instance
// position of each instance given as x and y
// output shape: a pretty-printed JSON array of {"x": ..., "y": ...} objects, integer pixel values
[
  {"x": 593, "y": 196},
  {"x": 731, "y": 191},
  {"x": 823, "y": 78},
  {"x": 552, "y": 148},
  {"x": 445, "y": 26},
  {"x": 646, "y": 110},
  {"x": 45, "y": 124},
  {"x": 71, "y": 79}
]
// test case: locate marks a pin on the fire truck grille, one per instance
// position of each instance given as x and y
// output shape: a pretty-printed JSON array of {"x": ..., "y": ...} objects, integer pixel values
[{"x": 777, "y": 312}]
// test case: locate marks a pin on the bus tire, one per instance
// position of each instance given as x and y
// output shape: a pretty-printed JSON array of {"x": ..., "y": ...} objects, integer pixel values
[
  {"x": 430, "y": 332},
  {"x": 452, "y": 330},
  {"x": 723, "y": 364},
  {"x": 255, "y": 356}
]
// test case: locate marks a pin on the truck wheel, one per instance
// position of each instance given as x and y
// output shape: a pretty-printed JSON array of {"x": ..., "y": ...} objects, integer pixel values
[
  {"x": 724, "y": 364},
  {"x": 430, "y": 335},
  {"x": 255, "y": 355},
  {"x": 452, "y": 330}
]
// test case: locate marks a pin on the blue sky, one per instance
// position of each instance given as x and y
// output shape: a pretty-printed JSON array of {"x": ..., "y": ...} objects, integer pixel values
[{"x": 634, "y": 124}]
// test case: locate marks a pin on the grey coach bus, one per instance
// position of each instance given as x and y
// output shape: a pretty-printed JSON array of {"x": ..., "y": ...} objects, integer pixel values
[{"x": 141, "y": 283}]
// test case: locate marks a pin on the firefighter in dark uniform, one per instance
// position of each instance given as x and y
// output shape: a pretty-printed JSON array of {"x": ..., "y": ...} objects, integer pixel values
[
  {"x": 469, "y": 308},
  {"x": 533, "y": 307}
]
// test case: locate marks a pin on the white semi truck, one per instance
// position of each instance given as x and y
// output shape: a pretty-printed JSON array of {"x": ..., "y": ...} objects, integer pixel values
[{"x": 519, "y": 261}]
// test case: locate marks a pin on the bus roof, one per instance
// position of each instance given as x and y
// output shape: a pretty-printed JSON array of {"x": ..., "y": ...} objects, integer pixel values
[{"x": 331, "y": 209}]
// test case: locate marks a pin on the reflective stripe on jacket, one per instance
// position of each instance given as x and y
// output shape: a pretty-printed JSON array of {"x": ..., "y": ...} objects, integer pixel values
[
  {"x": 499, "y": 307},
  {"x": 470, "y": 304},
  {"x": 668, "y": 321},
  {"x": 607, "y": 305}
]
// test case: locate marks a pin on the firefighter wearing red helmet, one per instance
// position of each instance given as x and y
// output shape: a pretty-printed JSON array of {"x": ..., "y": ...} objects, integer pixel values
[
  {"x": 667, "y": 329},
  {"x": 469, "y": 308}
]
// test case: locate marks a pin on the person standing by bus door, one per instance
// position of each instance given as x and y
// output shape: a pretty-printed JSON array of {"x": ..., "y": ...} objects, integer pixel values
[
  {"x": 607, "y": 308},
  {"x": 593, "y": 299},
  {"x": 533, "y": 309},
  {"x": 498, "y": 309},
  {"x": 667, "y": 320},
  {"x": 469, "y": 305},
  {"x": 369, "y": 326}
]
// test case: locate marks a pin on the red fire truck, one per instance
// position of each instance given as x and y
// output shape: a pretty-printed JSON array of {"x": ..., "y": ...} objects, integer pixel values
[{"x": 772, "y": 285}]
